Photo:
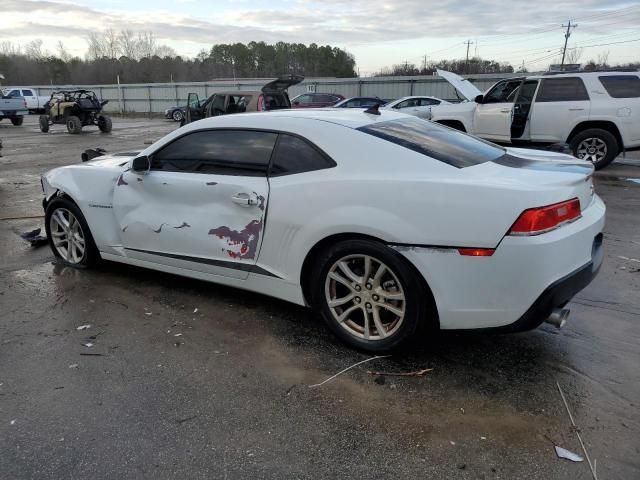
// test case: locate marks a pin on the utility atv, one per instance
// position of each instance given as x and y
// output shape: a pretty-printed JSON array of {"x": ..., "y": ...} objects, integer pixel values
[{"x": 75, "y": 109}]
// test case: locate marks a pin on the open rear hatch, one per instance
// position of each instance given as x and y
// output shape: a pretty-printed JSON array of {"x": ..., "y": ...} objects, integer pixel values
[{"x": 280, "y": 85}]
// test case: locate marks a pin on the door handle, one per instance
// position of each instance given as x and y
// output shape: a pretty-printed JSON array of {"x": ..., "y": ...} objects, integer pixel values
[
  {"x": 245, "y": 199},
  {"x": 576, "y": 109}
]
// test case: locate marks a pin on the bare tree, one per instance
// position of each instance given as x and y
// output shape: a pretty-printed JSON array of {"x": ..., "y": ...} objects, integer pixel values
[
  {"x": 9, "y": 48},
  {"x": 34, "y": 50},
  {"x": 63, "y": 53},
  {"x": 574, "y": 54},
  {"x": 111, "y": 44},
  {"x": 128, "y": 44},
  {"x": 603, "y": 59}
]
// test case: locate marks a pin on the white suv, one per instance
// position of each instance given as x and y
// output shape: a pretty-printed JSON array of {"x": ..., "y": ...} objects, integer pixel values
[{"x": 596, "y": 113}]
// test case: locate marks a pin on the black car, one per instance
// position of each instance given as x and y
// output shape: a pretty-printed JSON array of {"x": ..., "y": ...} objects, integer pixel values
[
  {"x": 177, "y": 113},
  {"x": 360, "y": 102}
]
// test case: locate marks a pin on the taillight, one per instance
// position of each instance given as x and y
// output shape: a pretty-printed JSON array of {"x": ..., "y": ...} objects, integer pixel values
[{"x": 535, "y": 221}]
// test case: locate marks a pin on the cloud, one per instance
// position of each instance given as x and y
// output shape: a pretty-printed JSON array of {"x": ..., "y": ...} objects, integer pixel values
[{"x": 349, "y": 23}]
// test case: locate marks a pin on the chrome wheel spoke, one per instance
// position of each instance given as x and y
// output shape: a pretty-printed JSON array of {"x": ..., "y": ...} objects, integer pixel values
[
  {"x": 395, "y": 310},
  {"x": 67, "y": 235},
  {"x": 341, "y": 301},
  {"x": 392, "y": 295},
  {"x": 367, "y": 324},
  {"x": 349, "y": 273},
  {"x": 345, "y": 315},
  {"x": 340, "y": 279},
  {"x": 379, "y": 273}
]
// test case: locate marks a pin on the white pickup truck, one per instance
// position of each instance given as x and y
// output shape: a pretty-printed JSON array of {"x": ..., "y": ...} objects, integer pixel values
[
  {"x": 13, "y": 108},
  {"x": 35, "y": 102},
  {"x": 596, "y": 113}
]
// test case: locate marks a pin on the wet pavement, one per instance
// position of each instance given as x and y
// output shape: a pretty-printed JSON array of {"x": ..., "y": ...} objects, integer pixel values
[{"x": 223, "y": 391}]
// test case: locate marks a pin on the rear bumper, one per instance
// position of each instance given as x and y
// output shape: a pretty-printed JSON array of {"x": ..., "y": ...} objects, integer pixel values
[{"x": 517, "y": 287}]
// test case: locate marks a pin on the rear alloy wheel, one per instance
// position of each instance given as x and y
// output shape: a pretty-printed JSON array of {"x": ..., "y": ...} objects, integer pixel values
[
  {"x": 368, "y": 295},
  {"x": 74, "y": 125},
  {"x": 69, "y": 235},
  {"x": 177, "y": 115},
  {"x": 596, "y": 146}
]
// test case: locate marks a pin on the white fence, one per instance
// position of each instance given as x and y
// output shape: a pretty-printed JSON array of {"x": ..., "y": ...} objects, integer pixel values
[{"x": 156, "y": 97}]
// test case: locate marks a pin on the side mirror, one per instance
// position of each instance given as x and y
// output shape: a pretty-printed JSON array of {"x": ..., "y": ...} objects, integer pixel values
[
  {"x": 141, "y": 164},
  {"x": 478, "y": 99}
]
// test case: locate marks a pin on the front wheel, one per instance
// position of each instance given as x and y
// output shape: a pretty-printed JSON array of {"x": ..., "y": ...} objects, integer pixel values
[
  {"x": 44, "y": 123},
  {"x": 74, "y": 125},
  {"x": 369, "y": 295},
  {"x": 104, "y": 123},
  {"x": 69, "y": 235},
  {"x": 595, "y": 145},
  {"x": 178, "y": 116}
]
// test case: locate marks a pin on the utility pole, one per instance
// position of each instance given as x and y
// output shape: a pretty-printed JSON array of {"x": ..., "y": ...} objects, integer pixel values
[
  {"x": 424, "y": 63},
  {"x": 466, "y": 63},
  {"x": 566, "y": 38}
]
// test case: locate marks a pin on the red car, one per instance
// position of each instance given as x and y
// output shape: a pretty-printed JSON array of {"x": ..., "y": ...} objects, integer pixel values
[{"x": 316, "y": 100}]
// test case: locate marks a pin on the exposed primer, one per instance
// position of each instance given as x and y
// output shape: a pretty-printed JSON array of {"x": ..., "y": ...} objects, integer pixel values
[
  {"x": 184, "y": 225},
  {"x": 211, "y": 184},
  {"x": 261, "y": 200},
  {"x": 247, "y": 238},
  {"x": 138, "y": 179},
  {"x": 160, "y": 227},
  {"x": 121, "y": 180},
  {"x": 124, "y": 229},
  {"x": 96, "y": 205}
]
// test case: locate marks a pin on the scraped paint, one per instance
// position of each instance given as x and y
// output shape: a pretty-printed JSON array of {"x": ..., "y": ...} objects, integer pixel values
[
  {"x": 160, "y": 227},
  {"x": 184, "y": 224},
  {"x": 121, "y": 180},
  {"x": 212, "y": 183},
  {"x": 247, "y": 239},
  {"x": 124, "y": 229}
]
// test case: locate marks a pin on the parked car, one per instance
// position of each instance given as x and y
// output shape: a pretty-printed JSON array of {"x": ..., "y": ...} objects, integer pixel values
[
  {"x": 273, "y": 96},
  {"x": 75, "y": 109},
  {"x": 417, "y": 105},
  {"x": 316, "y": 100},
  {"x": 596, "y": 113},
  {"x": 13, "y": 108},
  {"x": 382, "y": 222},
  {"x": 35, "y": 103},
  {"x": 360, "y": 102}
]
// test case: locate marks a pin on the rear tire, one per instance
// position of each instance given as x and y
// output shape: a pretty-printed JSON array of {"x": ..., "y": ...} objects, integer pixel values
[
  {"x": 74, "y": 125},
  {"x": 392, "y": 302},
  {"x": 596, "y": 145},
  {"x": 17, "y": 121},
  {"x": 68, "y": 233},
  {"x": 104, "y": 123},
  {"x": 44, "y": 123}
]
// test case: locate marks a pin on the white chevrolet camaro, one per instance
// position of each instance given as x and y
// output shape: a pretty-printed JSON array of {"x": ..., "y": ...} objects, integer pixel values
[{"x": 381, "y": 221}]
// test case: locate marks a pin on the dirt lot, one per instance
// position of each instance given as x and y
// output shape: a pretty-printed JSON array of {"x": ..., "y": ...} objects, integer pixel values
[{"x": 229, "y": 398}]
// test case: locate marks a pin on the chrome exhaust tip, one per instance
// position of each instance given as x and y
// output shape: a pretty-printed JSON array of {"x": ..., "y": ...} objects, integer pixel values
[{"x": 558, "y": 317}]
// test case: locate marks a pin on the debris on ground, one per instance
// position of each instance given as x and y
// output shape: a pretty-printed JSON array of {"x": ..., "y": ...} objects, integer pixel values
[
  {"x": 575, "y": 428},
  {"x": 84, "y": 327},
  {"x": 88, "y": 344},
  {"x": 564, "y": 453},
  {"x": 91, "y": 153},
  {"x": 379, "y": 380},
  {"x": 73, "y": 365},
  {"x": 195, "y": 310},
  {"x": 347, "y": 369},
  {"x": 34, "y": 238},
  {"x": 417, "y": 373}
]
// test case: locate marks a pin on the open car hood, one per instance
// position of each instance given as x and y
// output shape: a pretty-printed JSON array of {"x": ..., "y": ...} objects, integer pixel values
[
  {"x": 467, "y": 89},
  {"x": 281, "y": 84}
]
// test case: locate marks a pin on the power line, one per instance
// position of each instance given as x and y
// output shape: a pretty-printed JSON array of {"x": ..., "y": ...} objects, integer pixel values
[{"x": 566, "y": 38}]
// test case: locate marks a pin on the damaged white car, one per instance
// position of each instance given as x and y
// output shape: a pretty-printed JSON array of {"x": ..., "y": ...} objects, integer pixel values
[{"x": 381, "y": 221}]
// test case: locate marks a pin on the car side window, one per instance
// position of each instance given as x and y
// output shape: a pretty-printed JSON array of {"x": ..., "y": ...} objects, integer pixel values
[
  {"x": 621, "y": 86},
  {"x": 27, "y": 93},
  {"x": 405, "y": 104},
  {"x": 501, "y": 91},
  {"x": 304, "y": 99},
  {"x": 295, "y": 155},
  {"x": 562, "y": 90},
  {"x": 224, "y": 152},
  {"x": 14, "y": 93},
  {"x": 425, "y": 102}
]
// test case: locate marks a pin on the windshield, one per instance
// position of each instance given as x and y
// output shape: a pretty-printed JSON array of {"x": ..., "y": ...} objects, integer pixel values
[{"x": 436, "y": 141}]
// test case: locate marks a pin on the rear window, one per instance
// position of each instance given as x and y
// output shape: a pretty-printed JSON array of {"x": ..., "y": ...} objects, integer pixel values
[
  {"x": 562, "y": 90},
  {"x": 436, "y": 141},
  {"x": 621, "y": 86}
]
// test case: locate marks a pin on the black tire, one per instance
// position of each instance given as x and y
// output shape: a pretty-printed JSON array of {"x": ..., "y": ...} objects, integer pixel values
[
  {"x": 177, "y": 115},
  {"x": 17, "y": 121},
  {"x": 74, "y": 125},
  {"x": 91, "y": 256},
  {"x": 582, "y": 139},
  {"x": 416, "y": 303},
  {"x": 104, "y": 123},
  {"x": 44, "y": 123}
]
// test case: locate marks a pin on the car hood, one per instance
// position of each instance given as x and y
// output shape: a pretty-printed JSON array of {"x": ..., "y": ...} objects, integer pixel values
[
  {"x": 281, "y": 84},
  {"x": 467, "y": 89},
  {"x": 112, "y": 160}
]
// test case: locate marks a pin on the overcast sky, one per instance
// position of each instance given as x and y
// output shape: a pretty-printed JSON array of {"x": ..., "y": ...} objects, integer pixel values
[{"x": 378, "y": 33}]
